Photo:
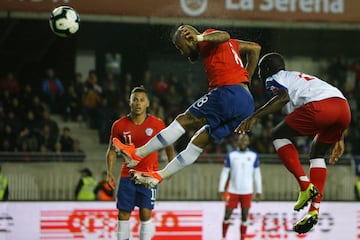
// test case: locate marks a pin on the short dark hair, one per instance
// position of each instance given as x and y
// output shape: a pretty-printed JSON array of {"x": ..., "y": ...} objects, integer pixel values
[
  {"x": 139, "y": 89},
  {"x": 274, "y": 61}
]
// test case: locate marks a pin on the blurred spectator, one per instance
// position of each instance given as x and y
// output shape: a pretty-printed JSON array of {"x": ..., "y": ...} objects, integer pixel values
[
  {"x": 77, "y": 146},
  {"x": 58, "y": 156},
  {"x": 85, "y": 189},
  {"x": 127, "y": 86},
  {"x": 8, "y": 139},
  {"x": 71, "y": 105},
  {"x": 4, "y": 187},
  {"x": 148, "y": 83},
  {"x": 27, "y": 141},
  {"x": 52, "y": 89},
  {"x": 80, "y": 155},
  {"x": 91, "y": 98},
  {"x": 37, "y": 107},
  {"x": 66, "y": 141},
  {"x": 16, "y": 108},
  {"x": 46, "y": 138},
  {"x": 79, "y": 84},
  {"x": 337, "y": 72},
  {"x": 31, "y": 123},
  {"x": 172, "y": 100},
  {"x": 161, "y": 87},
  {"x": 353, "y": 103},
  {"x": 52, "y": 124},
  {"x": 104, "y": 119},
  {"x": 110, "y": 88},
  {"x": 26, "y": 94},
  {"x": 14, "y": 121},
  {"x": 103, "y": 191},
  {"x": 174, "y": 81},
  {"x": 10, "y": 84},
  {"x": 355, "y": 68},
  {"x": 156, "y": 108}
]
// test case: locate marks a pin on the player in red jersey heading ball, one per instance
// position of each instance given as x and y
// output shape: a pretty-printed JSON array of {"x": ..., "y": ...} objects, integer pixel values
[{"x": 217, "y": 113}]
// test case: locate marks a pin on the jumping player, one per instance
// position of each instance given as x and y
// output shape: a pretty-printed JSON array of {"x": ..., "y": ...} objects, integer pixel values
[
  {"x": 137, "y": 128},
  {"x": 313, "y": 108},
  {"x": 217, "y": 113},
  {"x": 241, "y": 170}
]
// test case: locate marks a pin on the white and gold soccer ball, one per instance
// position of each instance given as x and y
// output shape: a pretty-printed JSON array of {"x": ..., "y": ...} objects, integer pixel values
[{"x": 64, "y": 21}]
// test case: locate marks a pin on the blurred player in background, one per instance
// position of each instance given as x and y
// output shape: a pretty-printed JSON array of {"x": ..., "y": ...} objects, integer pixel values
[
  {"x": 104, "y": 190},
  {"x": 216, "y": 114},
  {"x": 236, "y": 185},
  {"x": 313, "y": 108},
  {"x": 135, "y": 128}
]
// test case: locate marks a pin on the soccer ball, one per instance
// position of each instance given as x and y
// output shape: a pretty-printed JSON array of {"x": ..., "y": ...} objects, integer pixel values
[{"x": 64, "y": 21}]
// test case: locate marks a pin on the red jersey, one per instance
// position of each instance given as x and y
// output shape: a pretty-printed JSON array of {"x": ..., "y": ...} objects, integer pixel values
[
  {"x": 222, "y": 62},
  {"x": 128, "y": 132}
]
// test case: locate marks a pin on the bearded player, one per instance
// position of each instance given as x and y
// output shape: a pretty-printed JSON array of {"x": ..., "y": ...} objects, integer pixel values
[{"x": 213, "y": 116}]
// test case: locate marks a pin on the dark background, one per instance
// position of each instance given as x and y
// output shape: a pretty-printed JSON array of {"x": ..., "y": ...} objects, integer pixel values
[{"x": 27, "y": 47}]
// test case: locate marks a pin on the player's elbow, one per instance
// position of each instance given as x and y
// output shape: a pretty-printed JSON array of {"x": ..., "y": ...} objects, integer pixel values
[
  {"x": 226, "y": 36},
  {"x": 255, "y": 48}
]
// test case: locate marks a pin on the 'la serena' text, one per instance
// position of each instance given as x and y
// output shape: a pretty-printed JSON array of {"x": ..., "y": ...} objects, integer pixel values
[{"x": 305, "y": 6}]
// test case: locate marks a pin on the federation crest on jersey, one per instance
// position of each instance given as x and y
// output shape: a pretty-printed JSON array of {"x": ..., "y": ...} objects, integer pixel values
[{"x": 149, "y": 131}]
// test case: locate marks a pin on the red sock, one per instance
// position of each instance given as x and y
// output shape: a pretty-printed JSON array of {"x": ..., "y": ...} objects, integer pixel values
[
  {"x": 225, "y": 227},
  {"x": 318, "y": 178},
  {"x": 243, "y": 231},
  {"x": 290, "y": 158}
]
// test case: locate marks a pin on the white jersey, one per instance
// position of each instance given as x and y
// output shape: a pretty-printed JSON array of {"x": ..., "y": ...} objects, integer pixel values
[
  {"x": 244, "y": 170},
  {"x": 302, "y": 88}
]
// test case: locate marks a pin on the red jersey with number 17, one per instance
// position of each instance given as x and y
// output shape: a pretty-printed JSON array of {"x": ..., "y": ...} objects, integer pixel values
[
  {"x": 128, "y": 132},
  {"x": 222, "y": 62}
]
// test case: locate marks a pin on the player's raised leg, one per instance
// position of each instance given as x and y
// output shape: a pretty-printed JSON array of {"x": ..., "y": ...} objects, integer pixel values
[
  {"x": 183, "y": 159},
  {"x": 164, "y": 138}
]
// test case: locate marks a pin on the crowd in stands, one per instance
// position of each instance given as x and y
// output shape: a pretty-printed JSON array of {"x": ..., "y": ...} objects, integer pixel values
[
  {"x": 25, "y": 123},
  {"x": 25, "y": 117}
]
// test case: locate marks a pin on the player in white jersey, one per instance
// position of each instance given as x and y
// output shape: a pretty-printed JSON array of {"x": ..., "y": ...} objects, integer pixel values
[
  {"x": 241, "y": 170},
  {"x": 314, "y": 108}
]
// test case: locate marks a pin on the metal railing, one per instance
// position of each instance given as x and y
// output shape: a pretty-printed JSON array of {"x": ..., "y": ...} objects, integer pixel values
[{"x": 54, "y": 181}]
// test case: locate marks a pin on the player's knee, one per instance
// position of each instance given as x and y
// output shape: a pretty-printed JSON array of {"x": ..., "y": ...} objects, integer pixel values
[
  {"x": 124, "y": 215},
  {"x": 145, "y": 215},
  {"x": 189, "y": 122}
]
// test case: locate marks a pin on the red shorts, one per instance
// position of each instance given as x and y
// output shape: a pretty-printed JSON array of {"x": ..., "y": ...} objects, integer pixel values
[
  {"x": 326, "y": 119},
  {"x": 243, "y": 199}
]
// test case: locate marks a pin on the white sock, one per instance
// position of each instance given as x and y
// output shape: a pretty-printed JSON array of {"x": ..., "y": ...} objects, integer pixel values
[
  {"x": 183, "y": 159},
  {"x": 123, "y": 230},
  {"x": 164, "y": 138},
  {"x": 147, "y": 230}
]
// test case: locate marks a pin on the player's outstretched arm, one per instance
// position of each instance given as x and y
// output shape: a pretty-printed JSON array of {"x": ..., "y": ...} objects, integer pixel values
[
  {"x": 216, "y": 36},
  {"x": 275, "y": 104},
  {"x": 251, "y": 51}
]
